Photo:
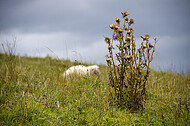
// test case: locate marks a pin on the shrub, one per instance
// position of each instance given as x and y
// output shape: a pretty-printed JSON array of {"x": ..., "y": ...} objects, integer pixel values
[{"x": 128, "y": 67}]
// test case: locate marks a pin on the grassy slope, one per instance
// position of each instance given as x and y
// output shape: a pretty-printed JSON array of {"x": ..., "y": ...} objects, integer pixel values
[{"x": 33, "y": 92}]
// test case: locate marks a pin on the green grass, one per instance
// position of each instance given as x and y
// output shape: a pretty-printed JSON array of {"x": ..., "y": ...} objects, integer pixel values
[{"x": 33, "y": 92}]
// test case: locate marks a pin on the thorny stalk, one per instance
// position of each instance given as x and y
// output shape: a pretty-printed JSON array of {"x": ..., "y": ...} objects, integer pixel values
[{"x": 128, "y": 77}]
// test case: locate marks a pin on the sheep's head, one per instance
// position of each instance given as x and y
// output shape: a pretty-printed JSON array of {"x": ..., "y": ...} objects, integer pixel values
[{"x": 94, "y": 69}]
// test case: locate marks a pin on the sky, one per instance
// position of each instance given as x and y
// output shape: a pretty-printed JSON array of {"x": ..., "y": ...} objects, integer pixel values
[{"x": 75, "y": 29}]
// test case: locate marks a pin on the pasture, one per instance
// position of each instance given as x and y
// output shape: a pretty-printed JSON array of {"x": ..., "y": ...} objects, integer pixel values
[{"x": 33, "y": 92}]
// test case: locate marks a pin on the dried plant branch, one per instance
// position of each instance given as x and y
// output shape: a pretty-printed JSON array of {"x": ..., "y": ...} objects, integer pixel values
[{"x": 128, "y": 78}]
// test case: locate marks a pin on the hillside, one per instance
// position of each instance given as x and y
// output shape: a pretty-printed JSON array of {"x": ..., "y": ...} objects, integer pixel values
[{"x": 33, "y": 92}]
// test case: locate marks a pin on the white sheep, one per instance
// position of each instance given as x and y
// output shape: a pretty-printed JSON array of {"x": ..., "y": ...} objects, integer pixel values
[{"x": 82, "y": 70}]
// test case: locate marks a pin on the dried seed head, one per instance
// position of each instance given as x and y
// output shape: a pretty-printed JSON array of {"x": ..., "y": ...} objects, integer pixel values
[
  {"x": 125, "y": 29},
  {"x": 128, "y": 39},
  {"x": 129, "y": 32},
  {"x": 115, "y": 38},
  {"x": 128, "y": 57},
  {"x": 111, "y": 26},
  {"x": 108, "y": 59},
  {"x": 120, "y": 30},
  {"x": 139, "y": 68},
  {"x": 117, "y": 20},
  {"x": 151, "y": 45},
  {"x": 139, "y": 50},
  {"x": 144, "y": 46},
  {"x": 115, "y": 26},
  {"x": 131, "y": 21},
  {"x": 141, "y": 62},
  {"x": 143, "y": 38},
  {"x": 131, "y": 29},
  {"x": 109, "y": 47},
  {"x": 125, "y": 13},
  {"x": 147, "y": 37},
  {"x": 107, "y": 40},
  {"x": 126, "y": 19},
  {"x": 140, "y": 71},
  {"x": 107, "y": 55},
  {"x": 126, "y": 46}
]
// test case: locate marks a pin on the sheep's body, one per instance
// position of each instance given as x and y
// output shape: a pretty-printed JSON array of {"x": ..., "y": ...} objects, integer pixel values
[{"x": 82, "y": 70}]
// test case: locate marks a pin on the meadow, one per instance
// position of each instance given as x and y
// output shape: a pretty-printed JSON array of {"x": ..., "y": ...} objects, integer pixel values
[{"x": 33, "y": 92}]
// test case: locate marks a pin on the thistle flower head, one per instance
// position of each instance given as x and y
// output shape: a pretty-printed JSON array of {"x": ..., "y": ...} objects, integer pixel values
[
  {"x": 111, "y": 26},
  {"x": 126, "y": 18},
  {"x": 115, "y": 26},
  {"x": 143, "y": 38},
  {"x": 151, "y": 45},
  {"x": 128, "y": 39},
  {"x": 126, "y": 46},
  {"x": 144, "y": 46},
  {"x": 117, "y": 20},
  {"x": 128, "y": 57},
  {"x": 110, "y": 47},
  {"x": 108, "y": 59},
  {"x": 125, "y": 13},
  {"x": 141, "y": 62},
  {"x": 107, "y": 40},
  {"x": 147, "y": 37},
  {"x": 131, "y": 21},
  {"x": 131, "y": 29},
  {"x": 120, "y": 30}
]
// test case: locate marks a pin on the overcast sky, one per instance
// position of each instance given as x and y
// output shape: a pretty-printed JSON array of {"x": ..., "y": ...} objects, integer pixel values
[{"x": 75, "y": 29}]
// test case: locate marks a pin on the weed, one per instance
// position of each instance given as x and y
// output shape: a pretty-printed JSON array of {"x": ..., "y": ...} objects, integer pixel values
[{"x": 128, "y": 78}]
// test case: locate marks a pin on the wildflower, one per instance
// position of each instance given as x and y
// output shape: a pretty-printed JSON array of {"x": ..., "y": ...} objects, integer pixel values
[
  {"x": 107, "y": 40},
  {"x": 125, "y": 13}
]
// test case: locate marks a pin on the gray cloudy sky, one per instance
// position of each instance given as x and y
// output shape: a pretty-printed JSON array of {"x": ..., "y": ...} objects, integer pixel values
[{"x": 74, "y": 29}]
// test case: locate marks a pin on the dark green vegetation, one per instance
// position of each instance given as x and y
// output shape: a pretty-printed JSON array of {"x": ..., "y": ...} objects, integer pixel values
[{"x": 33, "y": 92}]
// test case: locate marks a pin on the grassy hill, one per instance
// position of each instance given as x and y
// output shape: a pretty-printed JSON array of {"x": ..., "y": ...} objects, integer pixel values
[{"x": 33, "y": 92}]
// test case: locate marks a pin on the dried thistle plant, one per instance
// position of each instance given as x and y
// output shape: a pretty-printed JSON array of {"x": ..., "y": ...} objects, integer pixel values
[{"x": 129, "y": 67}]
